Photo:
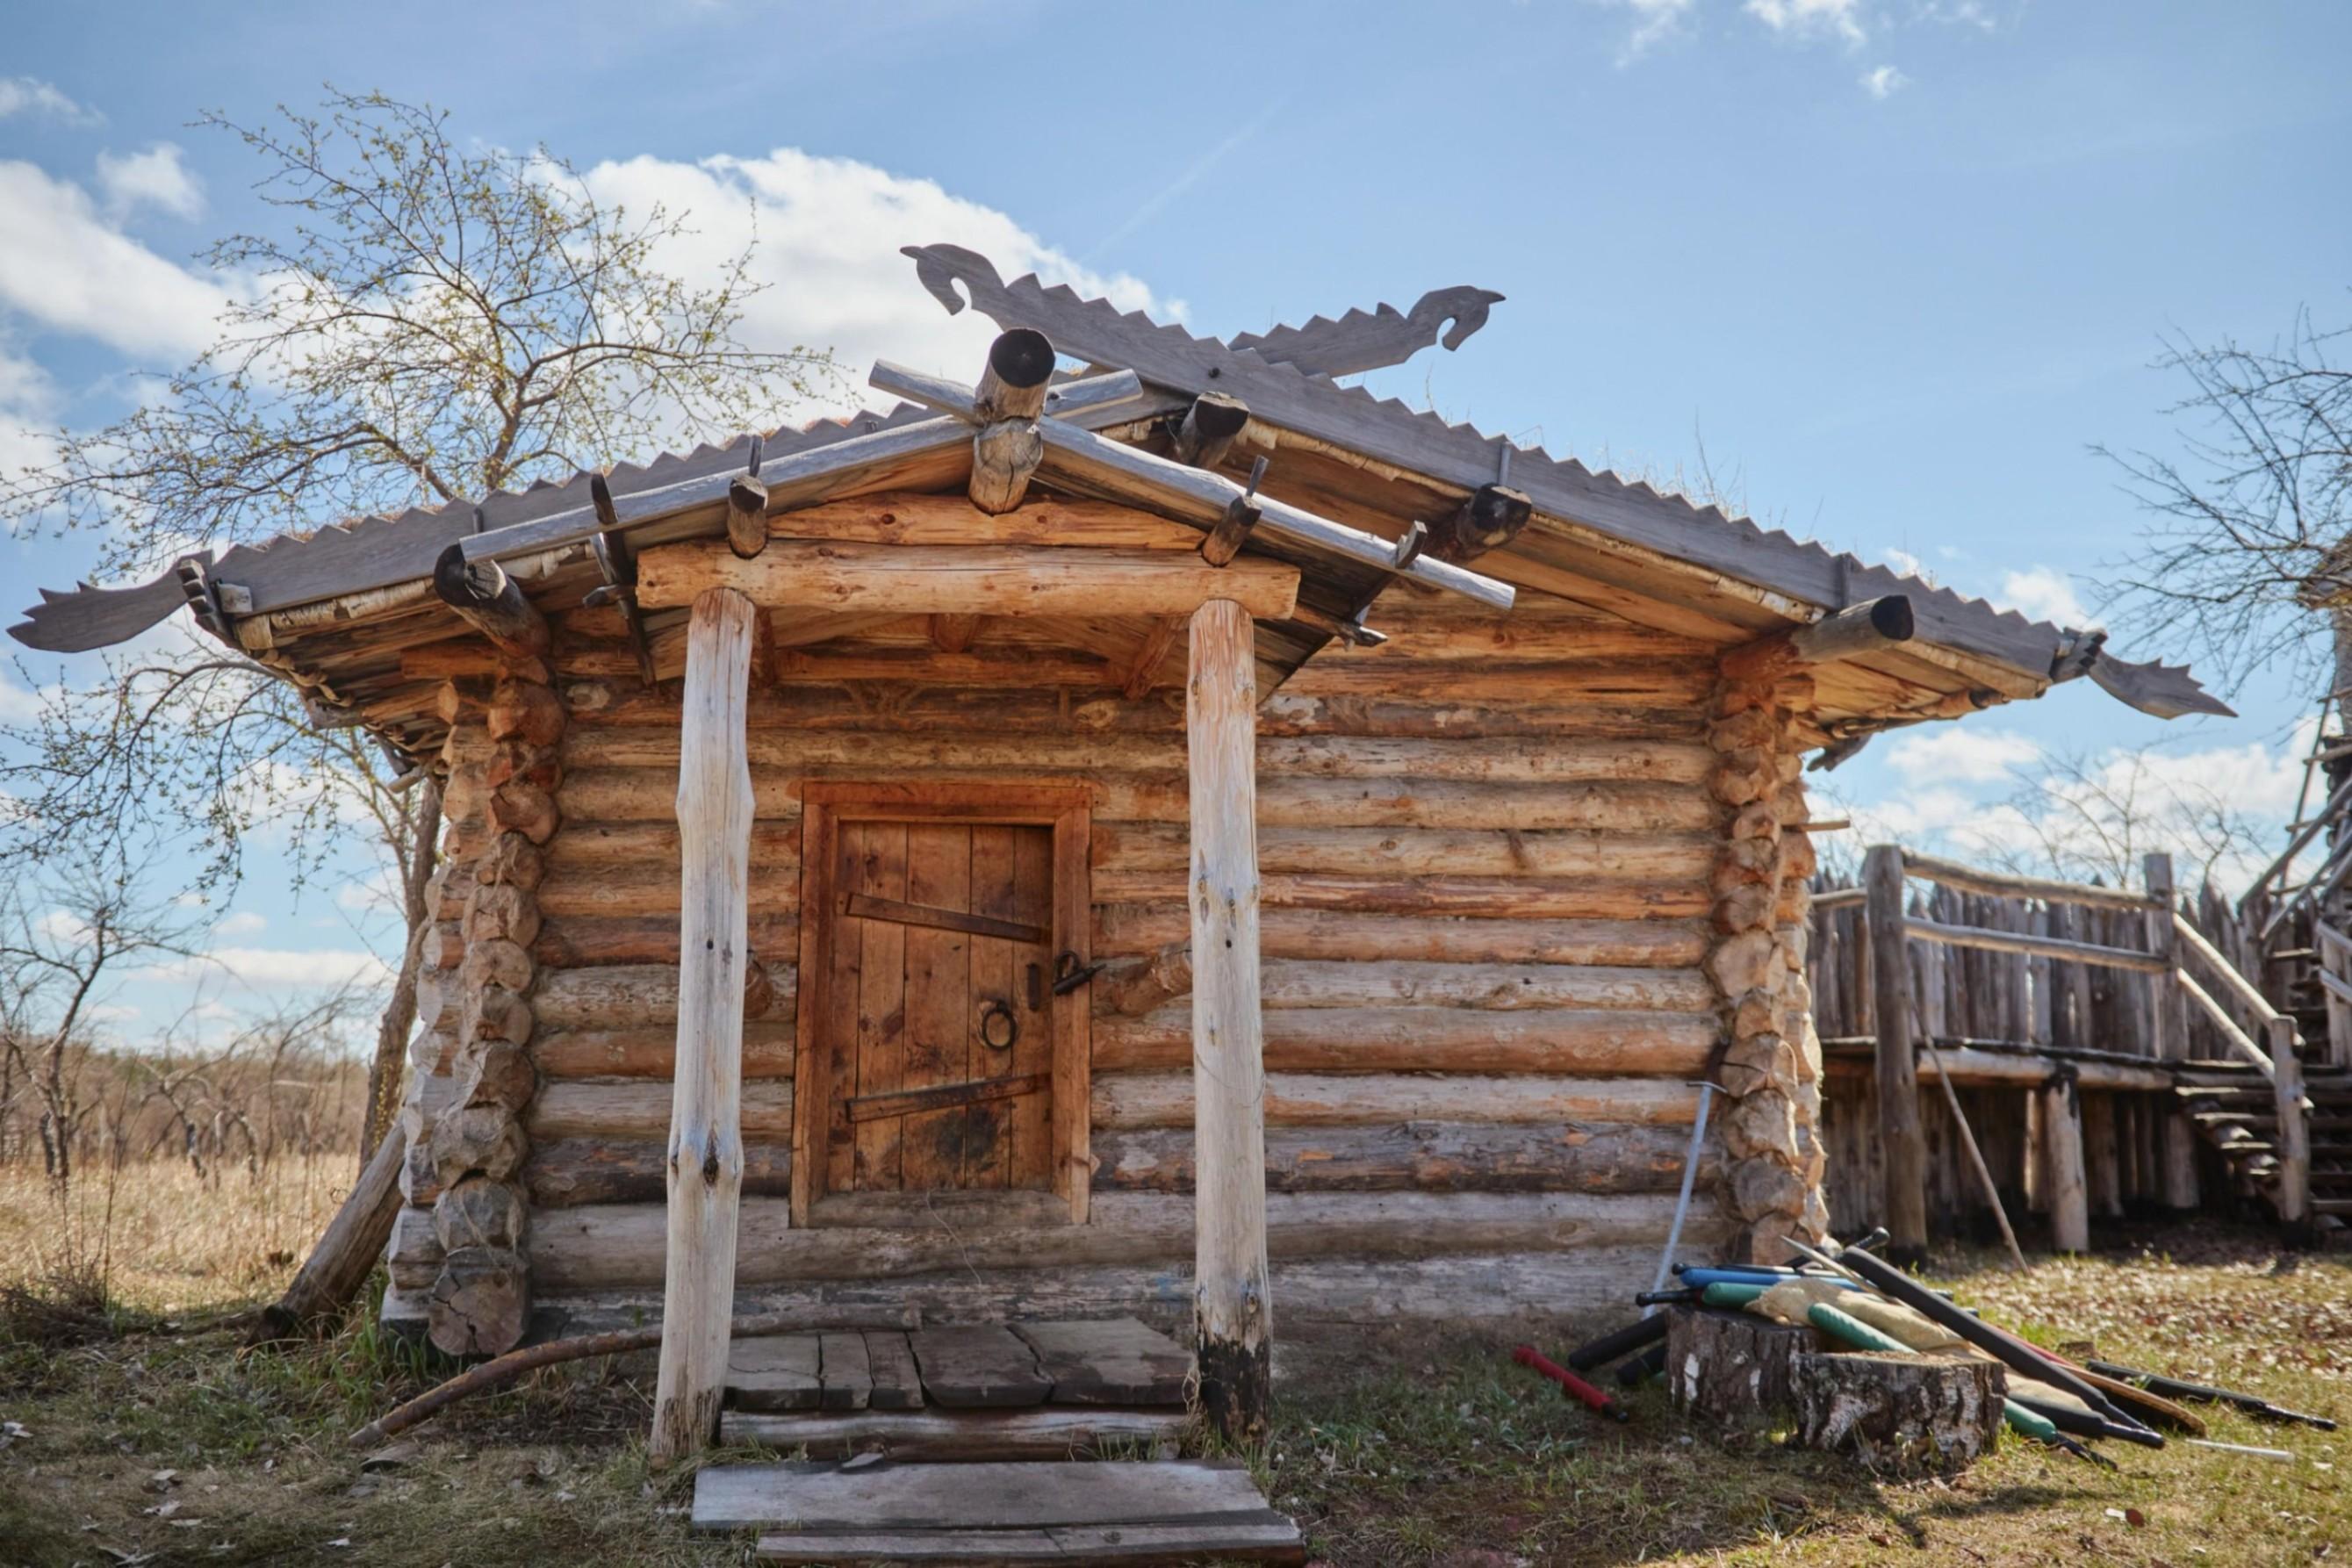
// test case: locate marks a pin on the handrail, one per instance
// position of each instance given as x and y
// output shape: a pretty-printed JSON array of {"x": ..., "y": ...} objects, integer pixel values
[
  {"x": 1840, "y": 897},
  {"x": 2226, "y": 1025},
  {"x": 2246, "y": 990},
  {"x": 2294, "y": 846},
  {"x": 2037, "y": 946},
  {"x": 2331, "y": 878},
  {"x": 1971, "y": 880}
]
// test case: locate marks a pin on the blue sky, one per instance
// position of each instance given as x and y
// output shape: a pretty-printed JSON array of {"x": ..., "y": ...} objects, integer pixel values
[{"x": 1894, "y": 266}]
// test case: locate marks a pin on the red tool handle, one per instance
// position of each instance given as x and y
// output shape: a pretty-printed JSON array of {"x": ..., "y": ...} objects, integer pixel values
[{"x": 1569, "y": 1384}]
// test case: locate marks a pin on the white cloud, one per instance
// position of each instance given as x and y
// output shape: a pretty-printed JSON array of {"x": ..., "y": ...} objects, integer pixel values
[
  {"x": 1654, "y": 22},
  {"x": 1881, "y": 81},
  {"x": 244, "y": 922},
  {"x": 1841, "y": 19},
  {"x": 156, "y": 178},
  {"x": 1956, "y": 753},
  {"x": 65, "y": 264},
  {"x": 276, "y": 967},
  {"x": 29, "y": 410},
  {"x": 29, "y": 95},
  {"x": 2044, "y": 593},
  {"x": 829, "y": 231},
  {"x": 1902, "y": 561}
]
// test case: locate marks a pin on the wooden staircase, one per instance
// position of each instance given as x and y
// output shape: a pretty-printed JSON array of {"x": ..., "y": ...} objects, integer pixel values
[{"x": 2234, "y": 1110}]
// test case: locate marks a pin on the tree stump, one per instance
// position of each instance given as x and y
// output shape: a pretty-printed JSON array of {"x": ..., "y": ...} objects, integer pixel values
[
  {"x": 1731, "y": 1367},
  {"x": 1898, "y": 1412}
]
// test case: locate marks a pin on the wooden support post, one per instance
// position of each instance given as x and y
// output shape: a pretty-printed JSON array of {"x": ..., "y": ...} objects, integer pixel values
[
  {"x": 2171, "y": 1008},
  {"x": 1010, "y": 397},
  {"x": 706, "y": 1145},
  {"x": 2062, "y": 1132},
  {"x": 1904, "y": 1208},
  {"x": 2293, "y": 1199},
  {"x": 1233, "y": 1310}
]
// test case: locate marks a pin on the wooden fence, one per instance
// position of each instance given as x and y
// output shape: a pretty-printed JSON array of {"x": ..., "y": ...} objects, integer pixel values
[{"x": 2053, "y": 1022}]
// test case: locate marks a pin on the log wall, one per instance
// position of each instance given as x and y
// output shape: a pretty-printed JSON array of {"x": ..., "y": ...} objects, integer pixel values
[{"x": 1495, "y": 936}]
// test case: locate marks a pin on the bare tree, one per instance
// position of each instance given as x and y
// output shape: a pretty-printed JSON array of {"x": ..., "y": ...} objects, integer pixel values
[
  {"x": 427, "y": 323},
  {"x": 63, "y": 943},
  {"x": 2249, "y": 555}
]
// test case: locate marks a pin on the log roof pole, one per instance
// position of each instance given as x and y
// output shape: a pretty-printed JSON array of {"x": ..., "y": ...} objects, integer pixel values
[
  {"x": 491, "y": 602},
  {"x": 706, "y": 1145},
  {"x": 1232, "y": 1307}
]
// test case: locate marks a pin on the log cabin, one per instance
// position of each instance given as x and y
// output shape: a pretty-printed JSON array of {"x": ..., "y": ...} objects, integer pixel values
[{"x": 1156, "y": 829}]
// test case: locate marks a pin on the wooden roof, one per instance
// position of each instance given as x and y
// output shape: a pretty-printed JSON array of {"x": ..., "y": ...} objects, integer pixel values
[{"x": 335, "y": 607}]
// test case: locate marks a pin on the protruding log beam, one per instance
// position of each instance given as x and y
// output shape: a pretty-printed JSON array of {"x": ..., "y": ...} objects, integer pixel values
[
  {"x": 490, "y": 601},
  {"x": 1208, "y": 429},
  {"x": 706, "y": 1145},
  {"x": 1904, "y": 1209},
  {"x": 747, "y": 516},
  {"x": 1232, "y": 1304},
  {"x": 1857, "y": 629},
  {"x": 1489, "y": 520},
  {"x": 1007, "y": 403},
  {"x": 1020, "y": 365},
  {"x": 1224, "y": 541},
  {"x": 1138, "y": 986}
]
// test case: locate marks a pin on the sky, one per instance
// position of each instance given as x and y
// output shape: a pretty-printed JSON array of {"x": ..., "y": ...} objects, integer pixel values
[{"x": 1887, "y": 272}]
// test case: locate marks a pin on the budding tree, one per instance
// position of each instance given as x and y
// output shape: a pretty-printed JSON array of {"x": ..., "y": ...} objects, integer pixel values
[{"x": 421, "y": 322}]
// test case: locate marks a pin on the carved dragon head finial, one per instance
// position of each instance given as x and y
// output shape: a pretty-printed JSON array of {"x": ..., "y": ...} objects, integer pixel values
[
  {"x": 1465, "y": 307},
  {"x": 939, "y": 268}
]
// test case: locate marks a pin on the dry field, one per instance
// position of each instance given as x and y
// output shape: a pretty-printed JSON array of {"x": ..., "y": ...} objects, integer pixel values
[{"x": 156, "y": 1440}]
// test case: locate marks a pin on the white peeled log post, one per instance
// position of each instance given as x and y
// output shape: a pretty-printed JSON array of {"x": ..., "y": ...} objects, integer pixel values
[
  {"x": 706, "y": 1144},
  {"x": 1232, "y": 1307}
]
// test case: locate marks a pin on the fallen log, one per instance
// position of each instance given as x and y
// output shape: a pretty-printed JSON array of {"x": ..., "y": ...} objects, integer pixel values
[
  {"x": 347, "y": 1249},
  {"x": 505, "y": 1369}
]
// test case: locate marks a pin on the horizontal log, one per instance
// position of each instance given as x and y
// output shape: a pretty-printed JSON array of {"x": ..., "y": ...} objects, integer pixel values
[
  {"x": 565, "y": 1173},
  {"x": 633, "y": 995},
  {"x": 1054, "y": 1432},
  {"x": 622, "y": 1245},
  {"x": 1971, "y": 1066},
  {"x": 599, "y": 695},
  {"x": 654, "y": 888},
  {"x": 2001, "y": 884},
  {"x": 1426, "y": 1156},
  {"x": 1340, "y": 1292},
  {"x": 978, "y": 580},
  {"x": 623, "y": 1109},
  {"x": 901, "y": 517},
  {"x": 585, "y": 843},
  {"x": 647, "y": 795},
  {"x": 1639, "y": 680},
  {"x": 651, "y": 1051},
  {"x": 2037, "y": 946},
  {"x": 1425, "y": 1039},
  {"x": 1490, "y": 898},
  {"x": 1618, "y": 857},
  {"x": 1377, "y": 981},
  {"x": 1498, "y": 760},
  {"x": 1356, "y": 1099},
  {"x": 581, "y": 940},
  {"x": 1127, "y": 930}
]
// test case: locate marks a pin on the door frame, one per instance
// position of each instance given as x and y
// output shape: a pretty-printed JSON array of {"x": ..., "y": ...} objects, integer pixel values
[{"x": 1067, "y": 809}]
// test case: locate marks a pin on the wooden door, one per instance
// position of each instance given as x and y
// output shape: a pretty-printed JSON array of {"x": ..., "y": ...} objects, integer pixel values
[{"x": 945, "y": 931}]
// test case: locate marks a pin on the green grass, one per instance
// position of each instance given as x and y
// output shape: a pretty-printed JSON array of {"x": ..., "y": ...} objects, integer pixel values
[{"x": 1397, "y": 1448}]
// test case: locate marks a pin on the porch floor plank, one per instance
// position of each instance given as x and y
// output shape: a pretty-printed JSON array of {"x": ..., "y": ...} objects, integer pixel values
[{"x": 979, "y": 1365}]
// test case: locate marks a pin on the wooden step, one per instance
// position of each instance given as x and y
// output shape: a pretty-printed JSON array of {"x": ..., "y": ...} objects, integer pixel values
[
  {"x": 930, "y": 1436},
  {"x": 1166, "y": 1511}
]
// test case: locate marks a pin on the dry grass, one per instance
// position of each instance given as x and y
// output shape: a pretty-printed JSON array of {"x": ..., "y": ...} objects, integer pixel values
[
  {"x": 1404, "y": 1448},
  {"x": 167, "y": 1241}
]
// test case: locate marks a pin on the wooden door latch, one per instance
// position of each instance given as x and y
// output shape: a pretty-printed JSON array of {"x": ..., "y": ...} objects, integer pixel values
[{"x": 1069, "y": 974}]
